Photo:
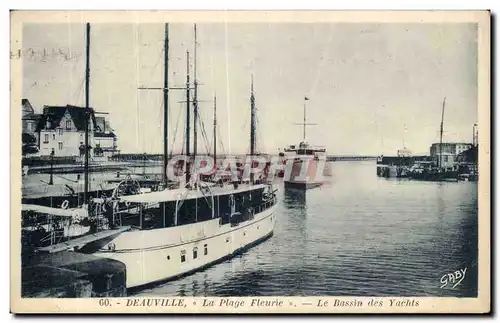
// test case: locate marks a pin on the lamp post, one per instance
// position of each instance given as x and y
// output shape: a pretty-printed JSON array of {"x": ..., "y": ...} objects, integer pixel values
[
  {"x": 474, "y": 135},
  {"x": 51, "y": 180}
]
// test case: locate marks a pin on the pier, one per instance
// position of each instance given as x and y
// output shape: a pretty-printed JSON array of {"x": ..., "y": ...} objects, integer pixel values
[{"x": 71, "y": 274}]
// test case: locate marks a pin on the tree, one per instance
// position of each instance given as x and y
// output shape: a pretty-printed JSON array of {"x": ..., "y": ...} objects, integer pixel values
[{"x": 29, "y": 145}]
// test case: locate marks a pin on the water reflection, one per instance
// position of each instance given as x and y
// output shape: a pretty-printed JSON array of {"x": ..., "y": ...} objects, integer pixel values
[
  {"x": 294, "y": 198},
  {"x": 360, "y": 236}
]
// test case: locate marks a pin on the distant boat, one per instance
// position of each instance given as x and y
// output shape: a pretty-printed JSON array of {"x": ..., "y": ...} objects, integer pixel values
[
  {"x": 431, "y": 172},
  {"x": 395, "y": 166},
  {"x": 309, "y": 164}
]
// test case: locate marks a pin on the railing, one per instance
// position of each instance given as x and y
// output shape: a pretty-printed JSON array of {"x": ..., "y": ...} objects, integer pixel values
[{"x": 264, "y": 206}]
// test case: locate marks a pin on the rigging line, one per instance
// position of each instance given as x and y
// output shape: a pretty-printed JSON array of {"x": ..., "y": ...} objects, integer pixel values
[
  {"x": 71, "y": 70},
  {"x": 259, "y": 142},
  {"x": 109, "y": 86},
  {"x": 204, "y": 134},
  {"x": 228, "y": 94},
  {"x": 319, "y": 68},
  {"x": 203, "y": 131},
  {"x": 220, "y": 140},
  {"x": 80, "y": 91},
  {"x": 175, "y": 132},
  {"x": 157, "y": 61},
  {"x": 136, "y": 47},
  {"x": 160, "y": 117}
]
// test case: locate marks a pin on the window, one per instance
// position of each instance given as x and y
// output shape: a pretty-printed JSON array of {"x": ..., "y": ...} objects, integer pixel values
[
  {"x": 206, "y": 250},
  {"x": 60, "y": 131},
  {"x": 68, "y": 124},
  {"x": 28, "y": 126},
  {"x": 53, "y": 136},
  {"x": 46, "y": 138},
  {"x": 98, "y": 150},
  {"x": 60, "y": 145},
  {"x": 183, "y": 256},
  {"x": 195, "y": 253}
]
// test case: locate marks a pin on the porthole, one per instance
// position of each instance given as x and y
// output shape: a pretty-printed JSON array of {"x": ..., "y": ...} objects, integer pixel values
[
  {"x": 168, "y": 257},
  {"x": 244, "y": 233},
  {"x": 227, "y": 239}
]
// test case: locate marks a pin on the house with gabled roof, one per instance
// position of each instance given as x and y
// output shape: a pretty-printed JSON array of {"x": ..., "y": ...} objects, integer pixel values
[{"x": 61, "y": 129}]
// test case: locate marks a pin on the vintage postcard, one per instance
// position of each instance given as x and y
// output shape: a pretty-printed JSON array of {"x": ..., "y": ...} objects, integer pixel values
[{"x": 250, "y": 162}]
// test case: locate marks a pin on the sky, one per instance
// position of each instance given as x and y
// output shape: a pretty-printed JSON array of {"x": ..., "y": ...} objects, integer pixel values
[{"x": 372, "y": 88}]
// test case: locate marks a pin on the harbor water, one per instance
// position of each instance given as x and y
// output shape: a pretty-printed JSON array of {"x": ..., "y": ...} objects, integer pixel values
[{"x": 359, "y": 235}]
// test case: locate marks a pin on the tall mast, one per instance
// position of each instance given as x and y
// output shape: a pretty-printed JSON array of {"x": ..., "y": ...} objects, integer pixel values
[
  {"x": 195, "y": 100},
  {"x": 404, "y": 134},
  {"x": 187, "y": 115},
  {"x": 252, "y": 126},
  {"x": 165, "y": 90},
  {"x": 441, "y": 135},
  {"x": 165, "y": 109},
  {"x": 87, "y": 116},
  {"x": 304, "y": 124},
  {"x": 215, "y": 130}
]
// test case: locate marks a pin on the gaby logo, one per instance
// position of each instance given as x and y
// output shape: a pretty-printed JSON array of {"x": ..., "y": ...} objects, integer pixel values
[{"x": 453, "y": 279}]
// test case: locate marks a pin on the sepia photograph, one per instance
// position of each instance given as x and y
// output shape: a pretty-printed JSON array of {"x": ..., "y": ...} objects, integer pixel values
[{"x": 220, "y": 162}]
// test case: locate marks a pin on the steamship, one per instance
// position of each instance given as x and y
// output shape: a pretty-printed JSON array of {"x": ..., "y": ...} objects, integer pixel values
[{"x": 306, "y": 164}]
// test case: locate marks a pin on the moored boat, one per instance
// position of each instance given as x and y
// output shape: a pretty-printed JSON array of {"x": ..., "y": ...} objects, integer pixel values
[
  {"x": 177, "y": 231},
  {"x": 189, "y": 228},
  {"x": 306, "y": 165}
]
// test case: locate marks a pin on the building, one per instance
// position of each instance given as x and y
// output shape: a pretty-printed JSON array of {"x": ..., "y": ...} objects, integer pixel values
[
  {"x": 29, "y": 122},
  {"x": 447, "y": 153},
  {"x": 29, "y": 118},
  {"x": 105, "y": 139},
  {"x": 62, "y": 129}
]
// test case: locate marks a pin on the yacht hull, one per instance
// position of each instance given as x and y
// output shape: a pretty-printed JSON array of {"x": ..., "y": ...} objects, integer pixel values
[
  {"x": 306, "y": 173},
  {"x": 159, "y": 255}
]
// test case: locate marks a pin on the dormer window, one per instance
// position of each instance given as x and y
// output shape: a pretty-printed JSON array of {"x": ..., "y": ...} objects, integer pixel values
[{"x": 68, "y": 124}]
